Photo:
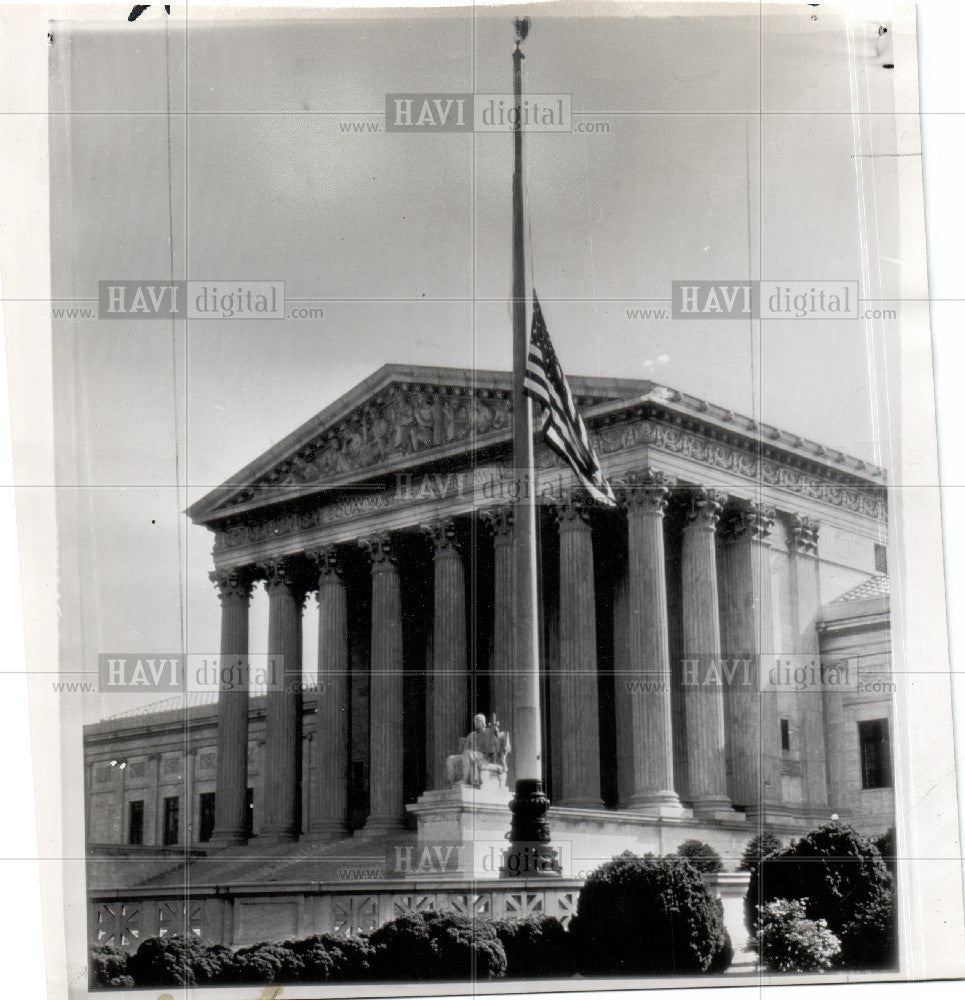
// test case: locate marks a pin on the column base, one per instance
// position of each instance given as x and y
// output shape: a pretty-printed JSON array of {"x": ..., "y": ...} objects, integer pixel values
[
  {"x": 663, "y": 804},
  {"x": 271, "y": 837},
  {"x": 580, "y": 804},
  {"x": 772, "y": 814},
  {"x": 221, "y": 839},
  {"x": 378, "y": 826},
  {"x": 719, "y": 810},
  {"x": 329, "y": 832}
]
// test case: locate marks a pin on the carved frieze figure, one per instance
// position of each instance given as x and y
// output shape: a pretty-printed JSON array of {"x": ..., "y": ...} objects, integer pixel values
[{"x": 482, "y": 756}]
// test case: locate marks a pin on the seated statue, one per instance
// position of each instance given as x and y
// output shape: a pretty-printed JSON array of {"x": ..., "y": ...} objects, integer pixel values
[{"x": 482, "y": 756}]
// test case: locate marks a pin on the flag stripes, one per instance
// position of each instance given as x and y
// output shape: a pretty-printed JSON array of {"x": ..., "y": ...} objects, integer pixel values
[{"x": 560, "y": 423}]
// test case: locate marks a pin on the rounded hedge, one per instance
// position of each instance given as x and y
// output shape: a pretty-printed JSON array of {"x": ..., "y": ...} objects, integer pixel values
[
  {"x": 108, "y": 967},
  {"x": 178, "y": 960},
  {"x": 647, "y": 916},
  {"x": 466, "y": 947},
  {"x": 436, "y": 946},
  {"x": 702, "y": 856},
  {"x": 265, "y": 963},
  {"x": 758, "y": 848},
  {"x": 330, "y": 957},
  {"x": 844, "y": 882},
  {"x": 535, "y": 946}
]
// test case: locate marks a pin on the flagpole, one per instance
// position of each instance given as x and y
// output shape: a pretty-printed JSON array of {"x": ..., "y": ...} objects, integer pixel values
[{"x": 529, "y": 853}]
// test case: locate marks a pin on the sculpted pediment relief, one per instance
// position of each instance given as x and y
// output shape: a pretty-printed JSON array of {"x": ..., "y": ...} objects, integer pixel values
[{"x": 397, "y": 423}]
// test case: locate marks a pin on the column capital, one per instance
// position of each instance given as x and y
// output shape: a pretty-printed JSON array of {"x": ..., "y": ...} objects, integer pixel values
[
  {"x": 572, "y": 512},
  {"x": 646, "y": 490},
  {"x": 804, "y": 534},
  {"x": 328, "y": 563},
  {"x": 751, "y": 520},
  {"x": 443, "y": 537},
  {"x": 283, "y": 572},
  {"x": 703, "y": 507},
  {"x": 381, "y": 552},
  {"x": 500, "y": 521},
  {"x": 233, "y": 583}
]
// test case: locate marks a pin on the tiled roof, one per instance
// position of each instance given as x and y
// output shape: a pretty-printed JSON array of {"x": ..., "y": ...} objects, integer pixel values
[{"x": 875, "y": 586}]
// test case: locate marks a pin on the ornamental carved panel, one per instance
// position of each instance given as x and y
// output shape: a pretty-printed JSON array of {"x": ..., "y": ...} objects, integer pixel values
[
  {"x": 470, "y": 904},
  {"x": 401, "y": 420},
  {"x": 354, "y": 914}
]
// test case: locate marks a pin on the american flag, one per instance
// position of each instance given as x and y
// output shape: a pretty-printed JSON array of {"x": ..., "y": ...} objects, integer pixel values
[{"x": 560, "y": 423}]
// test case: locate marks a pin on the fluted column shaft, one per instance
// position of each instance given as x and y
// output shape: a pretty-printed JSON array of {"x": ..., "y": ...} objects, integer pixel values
[
  {"x": 753, "y": 730},
  {"x": 500, "y": 522},
  {"x": 449, "y": 681},
  {"x": 648, "y": 654},
  {"x": 577, "y": 748},
  {"x": 703, "y": 693},
  {"x": 283, "y": 703},
  {"x": 328, "y": 801},
  {"x": 622, "y": 696},
  {"x": 807, "y": 602},
  {"x": 231, "y": 780},
  {"x": 386, "y": 798}
]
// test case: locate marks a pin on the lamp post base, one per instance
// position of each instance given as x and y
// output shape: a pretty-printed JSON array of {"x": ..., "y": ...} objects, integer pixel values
[{"x": 530, "y": 852}]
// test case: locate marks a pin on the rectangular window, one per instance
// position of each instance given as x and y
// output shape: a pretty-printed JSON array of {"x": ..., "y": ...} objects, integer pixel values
[
  {"x": 250, "y": 812},
  {"x": 206, "y": 827},
  {"x": 785, "y": 734},
  {"x": 881, "y": 559},
  {"x": 875, "y": 745},
  {"x": 135, "y": 822},
  {"x": 171, "y": 818}
]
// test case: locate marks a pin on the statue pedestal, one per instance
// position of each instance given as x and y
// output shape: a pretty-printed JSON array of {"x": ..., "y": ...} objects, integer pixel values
[{"x": 474, "y": 819}]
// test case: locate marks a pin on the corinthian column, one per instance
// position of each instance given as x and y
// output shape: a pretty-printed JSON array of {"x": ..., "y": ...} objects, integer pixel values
[
  {"x": 231, "y": 781},
  {"x": 753, "y": 730},
  {"x": 702, "y": 680},
  {"x": 328, "y": 802},
  {"x": 500, "y": 521},
  {"x": 577, "y": 746},
  {"x": 385, "y": 697},
  {"x": 811, "y": 702},
  {"x": 648, "y": 653},
  {"x": 283, "y": 703},
  {"x": 449, "y": 682}
]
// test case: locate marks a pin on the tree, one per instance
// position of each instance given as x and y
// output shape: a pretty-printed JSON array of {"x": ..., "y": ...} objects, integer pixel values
[
  {"x": 758, "y": 848},
  {"x": 702, "y": 856}
]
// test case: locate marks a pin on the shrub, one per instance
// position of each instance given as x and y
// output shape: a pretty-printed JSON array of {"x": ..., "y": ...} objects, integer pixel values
[
  {"x": 646, "y": 915},
  {"x": 724, "y": 952},
  {"x": 844, "y": 881},
  {"x": 466, "y": 947},
  {"x": 757, "y": 849},
  {"x": 403, "y": 948},
  {"x": 177, "y": 961},
  {"x": 437, "y": 946},
  {"x": 702, "y": 856},
  {"x": 887, "y": 845},
  {"x": 329, "y": 957},
  {"x": 787, "y": 941},
  {"x": 265, "y": 963},
  {"x": 108, "y": 967},
  {"x": 535, "y": 946},
  {"x": 724, "y": 955}
]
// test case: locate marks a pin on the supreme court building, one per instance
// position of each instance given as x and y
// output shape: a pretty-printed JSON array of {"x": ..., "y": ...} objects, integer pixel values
[{"x": 715, "y": 656}]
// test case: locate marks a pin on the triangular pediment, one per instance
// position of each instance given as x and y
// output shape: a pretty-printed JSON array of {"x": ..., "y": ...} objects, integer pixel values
[{"x": 397, "y": 418}]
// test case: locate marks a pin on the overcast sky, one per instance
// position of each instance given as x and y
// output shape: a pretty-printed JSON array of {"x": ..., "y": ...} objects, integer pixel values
[{"x": 732, "y": 150}]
